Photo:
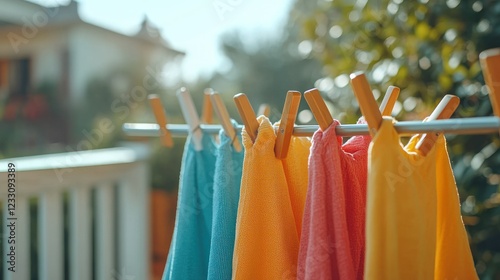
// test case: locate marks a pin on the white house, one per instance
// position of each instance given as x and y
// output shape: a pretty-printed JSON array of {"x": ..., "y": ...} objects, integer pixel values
[{"x": 40, "y": 44}]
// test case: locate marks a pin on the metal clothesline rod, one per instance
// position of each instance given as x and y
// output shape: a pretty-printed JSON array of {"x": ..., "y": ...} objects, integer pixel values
[{"x": 478, "y": 125}]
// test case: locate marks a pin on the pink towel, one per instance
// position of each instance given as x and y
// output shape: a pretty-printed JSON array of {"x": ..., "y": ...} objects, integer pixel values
[{"x": 332, "y": 243}]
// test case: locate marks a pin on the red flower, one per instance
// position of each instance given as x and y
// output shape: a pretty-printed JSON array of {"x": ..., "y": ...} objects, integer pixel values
[
  {"x": 11, "y": 110},
  {"x": 35, "y": 107}
]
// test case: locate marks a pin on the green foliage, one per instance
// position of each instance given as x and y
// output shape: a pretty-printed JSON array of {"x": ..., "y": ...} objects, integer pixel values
[
  {"x": 122, "y": 97},
  {"x": 428, "y": 48},
  {"x": 265, "y": 73},
  {"x": 30, "y": 123},
  {"x": 166, "y": 159}
]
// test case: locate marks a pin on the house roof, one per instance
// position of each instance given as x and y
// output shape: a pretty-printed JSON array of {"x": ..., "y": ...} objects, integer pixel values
[
  {"x": 150, "y": 32},
  {"x": 67, "y": 15}
]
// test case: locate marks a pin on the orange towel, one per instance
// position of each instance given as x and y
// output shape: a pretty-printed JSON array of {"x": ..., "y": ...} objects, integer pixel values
[
  {"x": 295, "y": 166},
  {"x": 267, "y": 240}
]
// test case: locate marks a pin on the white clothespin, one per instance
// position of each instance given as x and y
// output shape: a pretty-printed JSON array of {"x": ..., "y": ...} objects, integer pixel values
[
  {"x": 225, "y": 120},
  {"x": 191, "y": 117}
]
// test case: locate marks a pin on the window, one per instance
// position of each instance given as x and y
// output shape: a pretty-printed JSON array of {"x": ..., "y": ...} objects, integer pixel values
[{"x": 14, "y": 77}]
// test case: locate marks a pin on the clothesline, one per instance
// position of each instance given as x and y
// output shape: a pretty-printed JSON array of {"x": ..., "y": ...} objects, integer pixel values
[{"x": 476, "y": 125}]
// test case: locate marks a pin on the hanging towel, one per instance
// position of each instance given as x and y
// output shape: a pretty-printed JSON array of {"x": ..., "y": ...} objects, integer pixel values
[
  {"x": 227, "y": 182},
  {"x": 333, "y": 233},
  {"x": 267, "y": 241},
  {"x": 190, "y": 247},
  {"x": 407, "y": 197},
  {"x": 295, "y": 166},
  {"x": 453, "y": 256}
]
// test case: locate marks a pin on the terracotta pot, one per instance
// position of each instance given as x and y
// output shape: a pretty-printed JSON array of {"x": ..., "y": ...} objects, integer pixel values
[{"x": 163, "y": 207}]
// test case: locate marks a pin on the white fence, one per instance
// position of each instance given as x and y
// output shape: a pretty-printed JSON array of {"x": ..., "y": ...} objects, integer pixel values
[{"x": 107, "y": 197}]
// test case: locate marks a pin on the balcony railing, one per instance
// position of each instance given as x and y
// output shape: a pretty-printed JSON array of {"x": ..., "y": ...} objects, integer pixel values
[{"x": 106, "y": 193}]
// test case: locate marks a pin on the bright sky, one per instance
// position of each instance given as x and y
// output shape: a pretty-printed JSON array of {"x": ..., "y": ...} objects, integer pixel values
[{"x": 192, "y": 26}]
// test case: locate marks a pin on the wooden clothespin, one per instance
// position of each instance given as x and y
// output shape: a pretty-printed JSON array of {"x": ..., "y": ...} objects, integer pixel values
[
  {"x": 247, "y": 115},
  {"x": 207, "y": 111},
  {"x": 264, "y": 109},
  {"x": 323, "y": 116},
  {"x": 161, "y": 119},
  {"x": 490, "y": 63},
  {"x": 390, "y": 98},
  {"x": 444, "y": 110},
  {"x": 366, "y": 101},
  {"x": 287, "y": 123},
  {"x": 318, "y": 108},
  {"x": 226, "y": 123},
  {"x": 191, "y": 116}
]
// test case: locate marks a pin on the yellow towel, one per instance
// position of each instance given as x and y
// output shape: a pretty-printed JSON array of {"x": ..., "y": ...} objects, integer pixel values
[
  {"x": 412, "y": 201},
  {"x": 453, "y": 255}
]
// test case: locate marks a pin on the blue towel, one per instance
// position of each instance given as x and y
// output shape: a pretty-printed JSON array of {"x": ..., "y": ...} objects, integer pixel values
[
  {"x": 190, "y": 247},
  {"x": 227, "y": 182}
]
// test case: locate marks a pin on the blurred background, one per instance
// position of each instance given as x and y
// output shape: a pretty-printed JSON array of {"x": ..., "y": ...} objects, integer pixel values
[{"x": 72, "y": 72}]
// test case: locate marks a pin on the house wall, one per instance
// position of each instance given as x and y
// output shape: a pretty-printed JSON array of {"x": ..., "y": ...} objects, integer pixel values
[
  {"x": 47, "y": 64},
  {"x": 94, "y": 53}
]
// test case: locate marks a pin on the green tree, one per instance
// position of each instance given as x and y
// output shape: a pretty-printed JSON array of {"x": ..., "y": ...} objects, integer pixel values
[
  {"x": 266, "y": 72},
  {"x": 428, "y": 48}
]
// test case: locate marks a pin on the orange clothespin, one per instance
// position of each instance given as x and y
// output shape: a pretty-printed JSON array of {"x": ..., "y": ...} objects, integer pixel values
[
  {"x": 444, "y": 110},
  {"x": 264, "y": 109},
  {"x": 490, "y": 63},
  {"x": 247, "y": 115},
  {"x": 161, "y": 119},
  {"x": 223, "y": 115},
  {"x": 318, "y": 108},
  {"x": 287, "y": 122},
  {"x": 207, "y": 111},
  {"x": 366, "y": 101}
]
